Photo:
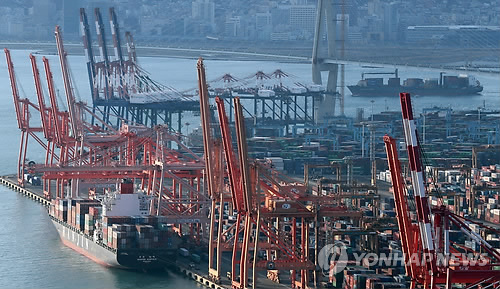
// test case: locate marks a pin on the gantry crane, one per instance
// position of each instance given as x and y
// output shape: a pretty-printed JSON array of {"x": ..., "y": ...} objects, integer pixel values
[
  {"x": 428, "y": 239},
  {"x": 22, "y": 107},
  {"x": 79, "y": 152},
  {"x": 121, "y": 89},
  {"x": 263, "y": 202}
]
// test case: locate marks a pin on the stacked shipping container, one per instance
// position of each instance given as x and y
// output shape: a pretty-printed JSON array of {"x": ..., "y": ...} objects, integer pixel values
[
  {"x": 144, "y": 232},
  {"x": 118, "y": 232}
]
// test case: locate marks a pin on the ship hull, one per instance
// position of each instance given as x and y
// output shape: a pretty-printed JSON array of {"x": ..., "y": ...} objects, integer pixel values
[
  {"x": 134, "y": 259},
  {"x": 390, "y": 91}
]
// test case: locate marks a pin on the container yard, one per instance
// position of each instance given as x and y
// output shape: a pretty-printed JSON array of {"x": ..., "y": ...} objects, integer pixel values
[{"x": 271, "y": 190}]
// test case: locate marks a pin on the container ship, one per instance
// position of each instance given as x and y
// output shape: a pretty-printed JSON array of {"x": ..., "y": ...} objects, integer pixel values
[
  {"x": 445, "y": 85},
  {"x": 116, "y": 230}
]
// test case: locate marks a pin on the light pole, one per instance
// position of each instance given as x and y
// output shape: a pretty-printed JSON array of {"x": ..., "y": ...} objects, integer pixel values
[
  {"x": 479, "y": 122},
  {"x": 187, "y": 131},
  {"x": 424, "y": 126},
  {"x": 372, "y": 101}
]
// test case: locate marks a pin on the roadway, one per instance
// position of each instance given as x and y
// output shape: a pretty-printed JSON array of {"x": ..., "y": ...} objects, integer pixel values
[{"x": 440, "y": 59}]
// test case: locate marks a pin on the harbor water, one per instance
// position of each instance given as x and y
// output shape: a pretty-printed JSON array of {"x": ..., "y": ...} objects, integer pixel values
[
  {"x": 34, "y": 257},
  {"x": 31, "y": 253}
]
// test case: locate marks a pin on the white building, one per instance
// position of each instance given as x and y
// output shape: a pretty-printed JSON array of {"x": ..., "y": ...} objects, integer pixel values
[
  {"x": 303, "y": 17},
  {"x": 203, "y": 10}
]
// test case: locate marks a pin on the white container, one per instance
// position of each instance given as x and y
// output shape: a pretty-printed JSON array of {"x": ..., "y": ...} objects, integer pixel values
[
  {"x": 184, "y": 252},
  {"x": 315, "y": 87},
  {"x": 266, "y": 93},
  {"x": 297, "y": 89}
]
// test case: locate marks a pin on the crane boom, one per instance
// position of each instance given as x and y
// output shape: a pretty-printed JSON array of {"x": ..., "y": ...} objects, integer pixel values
[
  {"x": 89, "y": 53},
  {"x": 409, "y": 232},
  {"x": 73, "y": 114},
  {"x": 115, "y": 31},
  {"x": 243, "y": 155},
  {"x": 205, "y": 122},
  {"x": 231, "y": 160},
  {"x": 101, "y": 38},
  {"x": 118, "y": 65},
  {"x": 420, "y": 242},
  {"x": 53, "y": 102},
  {"x": 420, "y": 193},
  {"x": 15, "y": 91},
  {"x": 41, "y": 100},
  {"x": 132, "y": 56}
]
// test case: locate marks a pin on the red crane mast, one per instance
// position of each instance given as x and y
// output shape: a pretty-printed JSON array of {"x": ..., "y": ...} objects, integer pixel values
[
  {"x": 420, "y": 193},
  {"x": 418, "y": 240}
]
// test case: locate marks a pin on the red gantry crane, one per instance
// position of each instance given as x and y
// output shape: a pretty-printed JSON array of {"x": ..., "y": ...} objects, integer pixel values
[
  {"x": 22, "y": 107},
  {"x": 263, "y": 203},
  {"x": 431, "y": 258},
  {"x": 78, "y": 152}
]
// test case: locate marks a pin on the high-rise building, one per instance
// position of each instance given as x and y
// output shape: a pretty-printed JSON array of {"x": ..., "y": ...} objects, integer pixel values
[
  {"x": 342, "y": 22},
  {"x": 280, "y": 16},
  {"x": 70, "y": 17},
  {"x": 44, "y": 12},
  {"x": 391, "y": 21},
  {"x": 202, "y": 21},
  {"x": 203, "y": 10},
  {"x": 233, "y": 27},
  {"x": 263, "y": 25},
  {"x": 263, "y": 19},
  {"x": 303, "y": 17}
]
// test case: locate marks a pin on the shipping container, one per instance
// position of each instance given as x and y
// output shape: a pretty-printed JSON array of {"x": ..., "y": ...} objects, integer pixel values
[
  {"x": 413, "y": 82},
  {"x": 394, "y": 81},
  {"x": 195, "y": 258},
  {"x": 184, "y": 252},
  {"x": 374, "y": 81}
]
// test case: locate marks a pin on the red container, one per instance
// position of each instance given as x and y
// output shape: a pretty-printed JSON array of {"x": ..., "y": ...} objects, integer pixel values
[{"x": 126, "y": 188}]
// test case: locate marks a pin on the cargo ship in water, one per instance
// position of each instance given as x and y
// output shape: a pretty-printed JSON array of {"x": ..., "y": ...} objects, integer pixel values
[
  {"x": 445, "y": 85},
  {"x": 116, "y": 230}
]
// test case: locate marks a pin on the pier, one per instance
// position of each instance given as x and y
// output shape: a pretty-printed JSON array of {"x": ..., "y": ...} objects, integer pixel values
[{"x": 36, "y": 195}]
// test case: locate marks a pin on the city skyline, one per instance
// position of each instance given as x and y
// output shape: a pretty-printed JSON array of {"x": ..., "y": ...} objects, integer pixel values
[{"x": 366, "y": 22}]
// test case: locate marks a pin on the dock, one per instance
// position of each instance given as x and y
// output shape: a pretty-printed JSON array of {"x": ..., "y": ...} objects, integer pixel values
[{"x": 36, "y": 195}]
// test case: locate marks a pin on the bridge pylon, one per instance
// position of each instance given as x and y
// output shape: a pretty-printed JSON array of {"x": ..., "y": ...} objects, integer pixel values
[{"x": 326, "y": 107}]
